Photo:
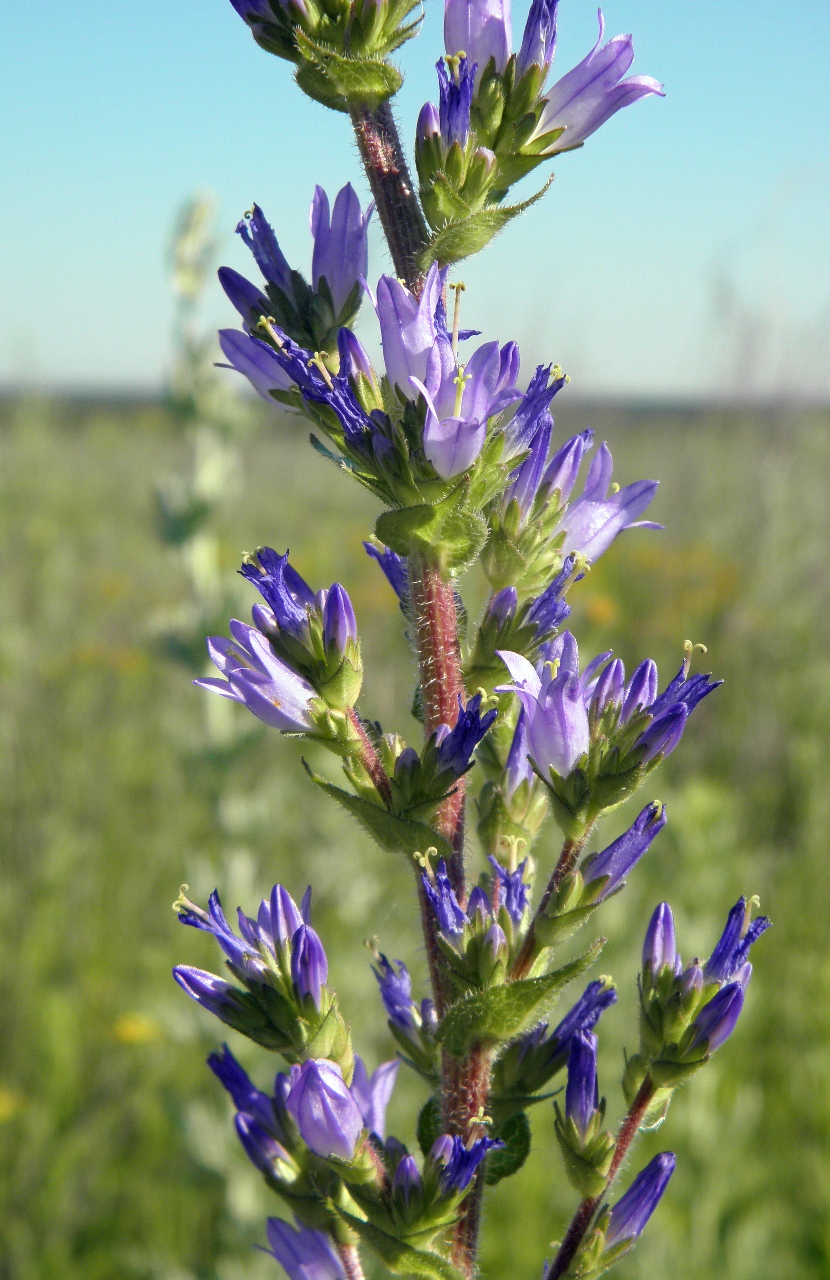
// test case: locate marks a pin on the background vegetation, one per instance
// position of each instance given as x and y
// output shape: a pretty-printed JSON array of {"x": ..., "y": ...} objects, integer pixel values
[{"x": 117, "y": 1158}]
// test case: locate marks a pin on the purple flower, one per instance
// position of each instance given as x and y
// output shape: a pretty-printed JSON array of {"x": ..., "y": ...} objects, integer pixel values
[
  {"x": 455, "y": 88},
  {"x": 396, "y": 992},
  {"x": 441, "y": 896},
  {"x": 533, "y": 405},
  {"x": 259, "y": 236},
  {"x": 527, "y": 478},
  {"x": 216, "y": 995},
  {"x": 322, "y": 1107},
  {"x": 631, "y": 1213},
  {"x": 539, "y": 39},
  {"x": 660, "y": 946},
  {"x": 456, "y": 746},
  {"x": 662, "y": 736},
  {"x": 304, "y": 1254},
  {"x": 407, "y": 1179},
  {"x": 582, "y": 1093},
  {"x": 246, "y": 1097},
  {"x": 261, "y": 1147},
  {"x": 517, "y": 769},
  {"x": 592, "y": 92},
  {"x": 284, "y": 590},
  {"x": 686, "y": 689},
  {"x": 341, "y": 243},
  {"x": 309, "y": 966},
  {"x": 479, "y": 28},
  {"x": 564, "y": 466},
  {"x": 339, "y": 622},
  {"x": 460, "y": 401},
  {"x": 495, "y": 941},
  {"x": 407, "y": 328},
  {"x": 585, "y": 1014},
  {"x": 548, "y": 610},
  {"x": 461, "y": 1163},
  {"x": 641, "y": 691},
  {"x": 246, "y": 297},
  {"x": 557, "y": 722},
  {"x": 596, "y": 518},
  {"x": 256, "y": 361},
  {"x": 255, "y": 676},
  {"x": 394, "y": 568},
  {"x": 513, "y": 891},
  {"x": 372, "y": 1093},
  {"x": 717, "y": 1019},
  {"x": 730, "y": 958},
  {"x": 617, "y": 860}
]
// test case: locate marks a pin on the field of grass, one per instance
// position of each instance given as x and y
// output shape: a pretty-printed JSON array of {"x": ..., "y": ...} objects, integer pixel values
[{"x": 117, "y": 1158}]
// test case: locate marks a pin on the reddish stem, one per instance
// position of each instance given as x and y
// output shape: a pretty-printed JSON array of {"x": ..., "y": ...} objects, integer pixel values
[
  {"x": 351, "y": 1261},
  {"x": 582, "y": 1218},
  {"x": 571, "y": 850}
]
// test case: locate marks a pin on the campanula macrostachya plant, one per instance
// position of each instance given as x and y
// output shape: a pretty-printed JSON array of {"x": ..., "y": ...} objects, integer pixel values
[{"x": 460, "y": 449}]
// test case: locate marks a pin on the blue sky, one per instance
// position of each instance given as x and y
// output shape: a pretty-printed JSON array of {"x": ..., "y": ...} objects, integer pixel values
[{"x": 682, "y": 251}]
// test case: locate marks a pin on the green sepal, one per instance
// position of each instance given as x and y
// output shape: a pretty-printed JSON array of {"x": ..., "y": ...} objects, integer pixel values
[
  {"x": 400, "y": 1258},
  {"x": 430, "y": 1124},
  {"x": 515, "y": 1134},
  {"x": 341, "y": 82},
  {"x": 503, "y": 1013},
  {"x": 456, "y": 534},
  {"x": 469, "y": 235},
  {"x": 393, "y": 834}
]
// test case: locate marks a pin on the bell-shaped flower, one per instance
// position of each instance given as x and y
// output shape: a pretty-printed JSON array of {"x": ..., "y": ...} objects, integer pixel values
[
  {"x": 614, "y": 863},
  {"x": 460, "y": 1161},
  {"x": 440, "y": 894},
  {"x": 592, "y": 92},
  {"x": 321, "y": 1105},
  {"x": 479, "y": 28},
  {"x": 455, "y": 746},
  {"x": 341, "y": 244},
  {"x": 660, "y": 945},
  {"x": 582, "y": 1092},
  {"x": 596, "y": 518},
  {"x": 730, "y": 959},
  {"x": 303, "y": 1253},
  {"x": 309, "y": 965},
  {"x": 407, "y": 328},
  {"x": 718, "y": 1018},
  {"x": 557, "y": 720},
  {"x": 255, "y": 676},
  {"x": 510, "y": 889},
  {"x": 455, "y": 90}
]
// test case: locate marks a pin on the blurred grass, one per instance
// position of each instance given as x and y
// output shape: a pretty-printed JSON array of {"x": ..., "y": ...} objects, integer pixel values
[{"x": 116, "y": 1155}]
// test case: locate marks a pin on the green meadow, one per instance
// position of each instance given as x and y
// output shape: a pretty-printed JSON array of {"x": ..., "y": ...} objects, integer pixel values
[{"x": 118, "y": 783}]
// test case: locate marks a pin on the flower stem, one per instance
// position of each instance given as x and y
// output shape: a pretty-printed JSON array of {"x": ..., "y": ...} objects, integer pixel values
[
  {"x": 351, "y": 1261},
  {"x": 398, "y": 208},
  {"x": 465, "y": 1082},
  {"x": 571, "y": 850},
  {"x": 581, "y": 1221}
]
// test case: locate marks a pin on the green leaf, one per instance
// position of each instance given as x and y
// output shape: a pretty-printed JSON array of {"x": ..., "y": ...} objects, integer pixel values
[
  {"x": 462, "y": 238},
  {"x": 394, "y": 834},
  {"x": 342, "y": 82},
  {"x": 430, "y": 1124},
  {"x": 503, "y": 1013},
  {"x": 400, "y": 1258},
  {"x": 463, "y": 535},
  {"x": 515, "y": 1134}
]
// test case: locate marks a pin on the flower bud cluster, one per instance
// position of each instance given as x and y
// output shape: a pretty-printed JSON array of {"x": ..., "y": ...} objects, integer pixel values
[
  {"x": 281, "y": 998},
  {"x": 590, "y": 738},
  {"x": 619, "y": 1226},
  {"x": 496, "y": 121},
  {"x": 479, "y": 943},
  {"x": 421, "y": 782},
  {"x": 310, "y": 314},
  {"x": 686, "y": 1013}
]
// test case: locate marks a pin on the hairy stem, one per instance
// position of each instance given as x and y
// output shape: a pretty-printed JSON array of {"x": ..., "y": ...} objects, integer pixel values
[
  {"x": 370, "y": 760},
  {"x": 351, "y": 1261},
  {"x": 465, "y": 1083},
  {"x": 398, "y": 208},
  {"x": 575, "y": 1234},
  {"x": 571, "y": 850}
]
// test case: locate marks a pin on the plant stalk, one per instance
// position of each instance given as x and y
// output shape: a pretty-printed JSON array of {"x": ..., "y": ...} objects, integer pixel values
[
  {"x": 571, "y": 850},
  {"x": 581, "y": 1221},
  {"x": 350, "y": 1258},
  {"x": 465, "y": 1083}
]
